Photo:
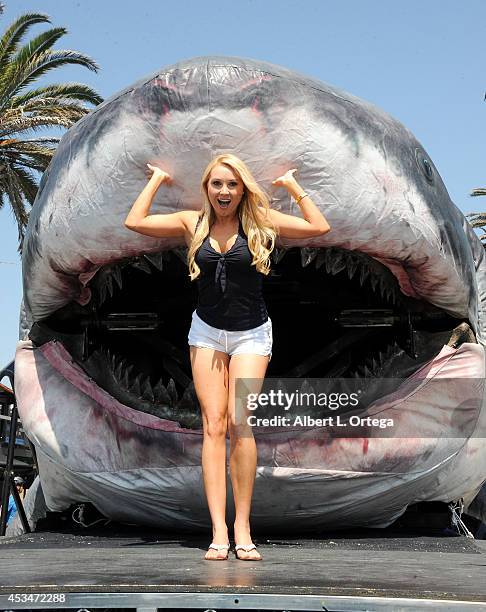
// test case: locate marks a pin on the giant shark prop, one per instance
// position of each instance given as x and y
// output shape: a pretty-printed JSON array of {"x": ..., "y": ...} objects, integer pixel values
[{"x": 396, "y": 291}]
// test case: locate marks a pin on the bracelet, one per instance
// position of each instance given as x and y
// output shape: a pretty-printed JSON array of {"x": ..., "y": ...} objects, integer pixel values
[{"x": 302, "y": 196}]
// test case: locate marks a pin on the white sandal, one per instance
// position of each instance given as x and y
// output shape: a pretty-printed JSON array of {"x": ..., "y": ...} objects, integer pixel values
[
  {"x": 246, "y": 548},
  {"x": 218, "y": 547}
]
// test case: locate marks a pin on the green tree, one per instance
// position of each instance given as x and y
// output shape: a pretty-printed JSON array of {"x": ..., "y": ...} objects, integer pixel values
[{"x": 26, "y": 109}]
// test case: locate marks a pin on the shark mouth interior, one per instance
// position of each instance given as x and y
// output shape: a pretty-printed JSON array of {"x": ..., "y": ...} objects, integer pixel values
[{"x": 335, "y": 314}]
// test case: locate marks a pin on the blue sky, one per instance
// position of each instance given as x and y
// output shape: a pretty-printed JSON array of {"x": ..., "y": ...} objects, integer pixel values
[{"x": 422, "y": 62}]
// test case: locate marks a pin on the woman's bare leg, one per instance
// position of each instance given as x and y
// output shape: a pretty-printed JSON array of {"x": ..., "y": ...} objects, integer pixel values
[
  {"x": 243, "y": 452},
  {"x": 210, "y": 375}
]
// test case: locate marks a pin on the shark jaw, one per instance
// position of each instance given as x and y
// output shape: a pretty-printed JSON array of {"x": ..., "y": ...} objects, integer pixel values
[
  {"x": 101, "y": 398},
  {"x": 336, "y": 314}
]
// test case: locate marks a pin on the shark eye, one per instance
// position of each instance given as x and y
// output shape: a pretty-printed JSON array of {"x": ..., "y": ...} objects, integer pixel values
[{"x": 424, "y": 165}]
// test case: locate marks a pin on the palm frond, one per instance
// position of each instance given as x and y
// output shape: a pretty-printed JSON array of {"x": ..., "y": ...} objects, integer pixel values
[
  {"x": 40, "y": 44},
  {"x": 480, "y": 191},
  {"x": 11, "y": 187},
  {"x": 74, "y": 91},
  {"x": 49, "y": 104},
  {"x": 476, "y": 217},
  {"x": 30, "y": 156},
  {"x": 24, "y": 155},
  {"x": 37, "y": 67},
  {"x": 62, "y": 118},
  {"x": 29, "y": 144},
  {"x": 28, "y": 184},
  {"x": 40, "y": 139},
  {"x": 27, "y": 55},
  {"x": 14, "y": 34}
]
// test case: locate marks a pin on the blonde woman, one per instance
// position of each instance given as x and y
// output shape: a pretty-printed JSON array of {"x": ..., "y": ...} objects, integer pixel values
[{"x": 230, "y": 241}]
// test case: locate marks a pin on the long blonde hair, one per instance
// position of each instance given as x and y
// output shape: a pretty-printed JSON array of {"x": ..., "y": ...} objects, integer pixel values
[{"x": 258, "y": 228}]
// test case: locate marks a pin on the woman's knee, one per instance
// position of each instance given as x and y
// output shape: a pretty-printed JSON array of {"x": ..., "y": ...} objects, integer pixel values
[
  {"x": 239, "y": 430},
  {"x": 215, "y": 426}
]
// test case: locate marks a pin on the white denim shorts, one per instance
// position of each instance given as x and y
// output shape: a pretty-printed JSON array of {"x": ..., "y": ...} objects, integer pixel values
[{"x": 257, "y": 341}]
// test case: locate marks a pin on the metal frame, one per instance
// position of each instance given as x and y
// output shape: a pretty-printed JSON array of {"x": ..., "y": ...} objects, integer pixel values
[
  {"x": 8, "y": 474},
  {"x": 8, "y": 479}
]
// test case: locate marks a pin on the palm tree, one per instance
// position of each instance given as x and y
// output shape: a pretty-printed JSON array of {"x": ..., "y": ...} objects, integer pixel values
[
  {"x": 25, "y": 110},
  {"x": 478, "y": 219}
]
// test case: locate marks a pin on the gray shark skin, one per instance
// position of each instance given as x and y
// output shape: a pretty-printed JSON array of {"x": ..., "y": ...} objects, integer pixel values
[{"x": 106, "y": 395}]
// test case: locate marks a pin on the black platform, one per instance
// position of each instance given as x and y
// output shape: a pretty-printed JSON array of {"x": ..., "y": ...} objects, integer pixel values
[{"x": 118, "y": 566}]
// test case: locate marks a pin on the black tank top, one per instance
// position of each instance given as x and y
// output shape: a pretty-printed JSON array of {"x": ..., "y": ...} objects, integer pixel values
[{"x": 230, "y": 288}]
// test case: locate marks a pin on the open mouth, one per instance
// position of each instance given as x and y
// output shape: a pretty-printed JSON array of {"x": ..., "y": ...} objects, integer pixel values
[
  {"x": 224, "y": 202},
  {"x": 335, "y": 314}
]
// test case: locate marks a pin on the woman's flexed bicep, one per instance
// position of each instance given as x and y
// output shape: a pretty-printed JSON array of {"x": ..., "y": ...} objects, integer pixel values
[
  {"x": 140, "y": 208},
  {"x": 169, "y": 225},
  {"x": 288, "y": 226},
  {"x": 313, "y": 224}
]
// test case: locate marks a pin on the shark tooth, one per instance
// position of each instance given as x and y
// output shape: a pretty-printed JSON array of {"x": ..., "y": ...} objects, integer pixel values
[
  {"x": 328, "y": 258},
  {"x": 374, "y": 280},
  {"x": 320, "y": 259},
  {"x": 306, "y": 387},
  {"x": 189, "y": 399},
  {"x": 363, "y": 274},
  {"x": 278, "y": 254},
  {"x": 280, "y": 385},
  {"x": 307, "y": 255},
  {"x": 338, "y": 264},
  {"x": 181, "y": 253},
  {"x": 381, "y": 287},
  {"x": 141, "y": 264},
  {"x": 147, "y": 392},
  {"x": 127, "y": 376},
  {"x": 388, "y": 292},
  {"x": 109, "y": 284},
  {"x": 161, "y": 394},
  {"x": 156, "y": 259},
  {"x": 101, "y": 294},
  {"x": 135, "y": 388},
  {"x": 172, "y": 391},
  {"x": 367, "y": 372},
  {"x": 119, "y": 368},
  {"x": 352, "y": 265},
  {"x": 117, "y": 275},
  {"x": 112, "y": 358}
]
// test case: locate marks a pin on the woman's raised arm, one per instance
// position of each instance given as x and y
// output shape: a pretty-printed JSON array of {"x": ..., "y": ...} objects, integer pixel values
[
  {"x": 138, "y": 219},
  {"x": 313, "y": 224}
]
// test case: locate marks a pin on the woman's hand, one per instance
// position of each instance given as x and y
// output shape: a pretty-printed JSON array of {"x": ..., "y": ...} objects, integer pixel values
[
  {"x": 155, "y": 171},
  {"x": 137, "y": 217},
  {"x": 286, "y": 179}
]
